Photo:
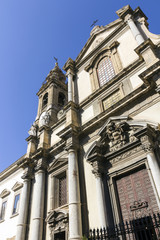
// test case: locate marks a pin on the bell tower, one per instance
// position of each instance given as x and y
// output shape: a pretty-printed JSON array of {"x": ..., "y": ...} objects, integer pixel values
[{"x": 52, "y": 96}]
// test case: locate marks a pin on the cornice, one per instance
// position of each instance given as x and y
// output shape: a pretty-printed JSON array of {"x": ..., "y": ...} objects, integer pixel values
[
  {"x": 57, "y": 147},
  {"x": 80, "y": 62},
  {"x": 11, "y": 169},
  {"x": 47, "y": 85},
  {"x": 110, "y": 111}
]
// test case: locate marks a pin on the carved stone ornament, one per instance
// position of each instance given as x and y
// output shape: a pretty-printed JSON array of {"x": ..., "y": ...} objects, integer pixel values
[
  {"x": 116, "y": 135},
  {"x": 44, "y": 119},
  {"x": 138, "y": 205},
  {"x": 57, "y": 220},
  {"x": 28, "y": 173},
  {"x": 140, "y": 209},
  {"x": 119, "y": 138},
  {"x": 60, "y": 114},
  {"x": 33, "y": 130}
]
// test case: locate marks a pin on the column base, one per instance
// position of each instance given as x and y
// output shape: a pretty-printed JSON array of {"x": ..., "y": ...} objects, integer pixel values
[{"x": 76, "y": 238}]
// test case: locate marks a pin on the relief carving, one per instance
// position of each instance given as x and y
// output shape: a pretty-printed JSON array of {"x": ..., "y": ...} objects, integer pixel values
[
  {"x": 140, "y": 209},
  {"x": 117, "y": 135},
  {"x": 58, "y": 221}
]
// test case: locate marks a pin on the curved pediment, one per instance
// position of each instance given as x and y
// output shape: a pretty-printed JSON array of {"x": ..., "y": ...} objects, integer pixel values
[
  {"x": 57, "y": 216},
  {"x": 119, "y": 132}
]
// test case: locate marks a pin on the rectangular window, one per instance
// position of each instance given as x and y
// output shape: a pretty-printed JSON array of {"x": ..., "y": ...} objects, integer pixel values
[
  {"x": 62, "y": 191},
  {"x": 3, "y": 209},
  {"x": 16, "y": 204}
]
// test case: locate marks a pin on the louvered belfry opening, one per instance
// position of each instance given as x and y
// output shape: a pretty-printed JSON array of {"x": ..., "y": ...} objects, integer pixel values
[
  {"x": 105, "y": 71},
  {"x": 62, "y": 191}
]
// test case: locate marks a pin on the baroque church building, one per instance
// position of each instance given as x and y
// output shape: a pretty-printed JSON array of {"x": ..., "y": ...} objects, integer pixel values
[{"x": 93, "y": 156}]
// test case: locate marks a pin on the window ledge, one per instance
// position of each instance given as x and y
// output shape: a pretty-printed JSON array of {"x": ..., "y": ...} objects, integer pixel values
[{"x": 14, "y": 215}]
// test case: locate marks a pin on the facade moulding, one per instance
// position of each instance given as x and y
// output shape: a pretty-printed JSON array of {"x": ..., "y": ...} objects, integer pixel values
[
  {"x": 57, "y": 164},
  {"x": 119, "y": 139},
  {"x": 117, "y": 78},
  {"x": 11, "y": 169},
  {"x": 109, "y": 38},
  {"x": 58, "y": 123},
  {"x": 122, "y": 103}
]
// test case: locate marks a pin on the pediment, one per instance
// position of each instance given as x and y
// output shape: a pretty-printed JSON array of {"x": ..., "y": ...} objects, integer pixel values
[
  {"x": 97, "y": 35},
  {"x": 17, "y": 186},
  {"x": 4, "y": 193},
  {"x": 124, "y": 10},
  {"x": 118, "y": 133},
  {"x": 57, "y": 163},
  {"x": 57, "y": 216}
]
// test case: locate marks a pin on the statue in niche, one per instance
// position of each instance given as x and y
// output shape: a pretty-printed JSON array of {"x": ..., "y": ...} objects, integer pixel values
[
  {"x": 44, "y": 119},
  {"x": 33, "y": 130},
  {"x": 117, "y": 136}
]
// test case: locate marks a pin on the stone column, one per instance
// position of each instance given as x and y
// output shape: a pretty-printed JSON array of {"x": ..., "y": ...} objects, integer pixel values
[
  {"x": 70, "y": 86},
  {"x": 75, "y": 227},
  {"x": 101, "y": 201},
  {"x": 38, "y": 203},
  {"x": 23, "y": 210},
  {"x": 135, "y": 31},
  {"x": 154, "y": 167}
]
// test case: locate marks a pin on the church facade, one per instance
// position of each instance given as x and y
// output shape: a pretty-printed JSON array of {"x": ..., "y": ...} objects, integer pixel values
[{"x": 93, "y": 156}]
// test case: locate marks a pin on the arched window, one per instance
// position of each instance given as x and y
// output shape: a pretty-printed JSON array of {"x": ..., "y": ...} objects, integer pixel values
[
  {"x": 61, "y": 99},
  {"x": 45, "y": 100},
  {"x": 105, "y": 70}
]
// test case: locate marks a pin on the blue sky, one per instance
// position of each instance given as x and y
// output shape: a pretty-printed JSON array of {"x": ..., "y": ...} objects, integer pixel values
[{"x": 32, "y": 32}]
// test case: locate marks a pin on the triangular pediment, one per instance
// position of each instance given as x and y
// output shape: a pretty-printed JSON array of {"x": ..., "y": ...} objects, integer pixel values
[
  {"x": 17, "y": 186},
  {"x": 57, "y": 163},
  {"x": 4, "y": 193},
  {"x": 98, "y": 35}
]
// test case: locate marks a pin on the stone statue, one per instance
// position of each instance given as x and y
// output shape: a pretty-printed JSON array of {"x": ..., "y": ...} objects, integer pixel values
[
  {"x": 33, "y": 130},
  {"x": 44, "y": 119}
]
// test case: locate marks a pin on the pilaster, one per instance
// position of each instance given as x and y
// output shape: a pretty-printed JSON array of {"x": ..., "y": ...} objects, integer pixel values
[
  {"x": 69, "y": 67},
  {"x": 44, "y": 137}
]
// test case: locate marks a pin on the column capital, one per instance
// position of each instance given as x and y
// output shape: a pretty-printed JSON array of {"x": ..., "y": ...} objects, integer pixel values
[
  {"x": 98, "y": 169},
  {"x": 69, "y": 66},
  {"x": 28, "y": 173},
  {"x": 41, "y": 164},
  {"x": 70, "y": 73},
  {"x": 148, "y": 147}
]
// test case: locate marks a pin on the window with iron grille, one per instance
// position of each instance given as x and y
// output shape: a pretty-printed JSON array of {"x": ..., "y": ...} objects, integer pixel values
[
  {"x": 105, "y": 71},
  {"x": 112, "y": 99},
  {"x": 62, "y": 191},
  {"x": 3, "y": 210}
]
